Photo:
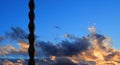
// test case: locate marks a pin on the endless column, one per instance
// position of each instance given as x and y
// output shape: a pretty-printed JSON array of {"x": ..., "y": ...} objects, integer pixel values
[{"x": 31, "y": 36}]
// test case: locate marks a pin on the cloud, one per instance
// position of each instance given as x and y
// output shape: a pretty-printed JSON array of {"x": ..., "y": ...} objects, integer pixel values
[
  {"x": 23, "y": 47},
  {"x": 92, "y": 29},
  {"x": 92, "y": 42},
  {"x": 8, "y": 62},
  {"x": 4, "y": 50},
  {"x": 1, "y": 38},
  {"x": 64, "y": 48},
  {"x": 71, "y": 36},
  {"x": 9, "y": 49},
  {"x": 64, "y": 61},
  {"x": 17, "y": 34},
  {"x": 20, "y": 36}
]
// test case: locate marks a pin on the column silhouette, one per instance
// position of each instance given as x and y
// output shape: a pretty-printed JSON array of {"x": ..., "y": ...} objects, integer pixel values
[{"x": 31, "y": 36}]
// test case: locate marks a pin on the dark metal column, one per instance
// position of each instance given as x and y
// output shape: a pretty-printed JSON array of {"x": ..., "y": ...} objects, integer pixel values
[{"x": 31, "y": 36}]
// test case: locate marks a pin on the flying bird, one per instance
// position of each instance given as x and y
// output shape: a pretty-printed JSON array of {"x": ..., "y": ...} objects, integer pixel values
[{"x": 57, "y": 27}]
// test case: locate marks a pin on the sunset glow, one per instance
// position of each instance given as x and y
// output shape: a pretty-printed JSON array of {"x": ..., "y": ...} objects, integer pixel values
[{"x": 67, "y": 32}]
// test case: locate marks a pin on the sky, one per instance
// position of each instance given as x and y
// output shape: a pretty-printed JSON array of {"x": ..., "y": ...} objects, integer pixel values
[{"x": 54, "y": 18}]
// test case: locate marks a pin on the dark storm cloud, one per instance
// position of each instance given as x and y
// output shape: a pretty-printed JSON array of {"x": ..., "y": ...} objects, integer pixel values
[
  {"x": 1, "y": 38},
  {"x": 64, "y": 48},
  {"x": 64, "y": 61},
  {"x": 99, "y": 37},
  {"x": 67, "y": 48},
  {"x": 16, "y": 34},
  {"x": 71, "y": 36},
  {"x": 57, "y": 61}
]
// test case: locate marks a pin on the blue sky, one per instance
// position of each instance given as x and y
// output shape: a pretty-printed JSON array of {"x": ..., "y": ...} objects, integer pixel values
[{"x": 72, "y": 16}]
